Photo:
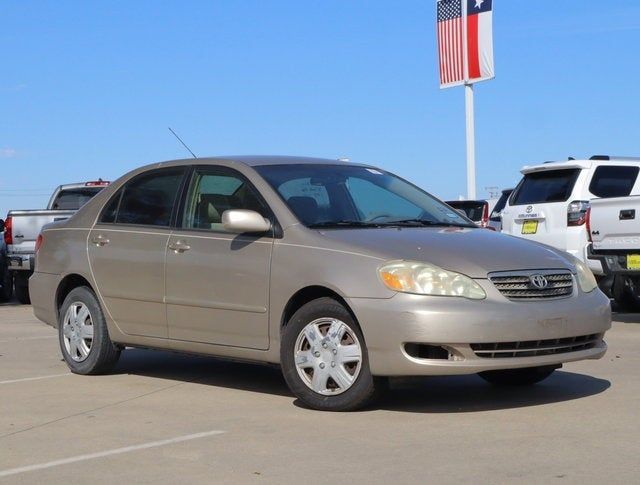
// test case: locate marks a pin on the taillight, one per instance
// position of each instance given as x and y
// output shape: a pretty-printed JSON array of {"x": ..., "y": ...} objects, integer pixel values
[
  {"x": 588, "y": 223},
  {"x": 577, "y": 212},
  {"x": 97, "y": 183},
  {"x": 8, "y": 234},
  {"x": 39, "y": 242},
  {"x": 484, "y": 222}
]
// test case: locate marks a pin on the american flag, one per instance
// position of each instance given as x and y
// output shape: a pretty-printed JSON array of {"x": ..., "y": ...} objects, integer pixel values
[{"x": 450, "y": 42}]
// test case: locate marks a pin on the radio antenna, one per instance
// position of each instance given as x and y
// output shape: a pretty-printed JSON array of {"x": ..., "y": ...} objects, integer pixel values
[{"x": 180, "y": 140}]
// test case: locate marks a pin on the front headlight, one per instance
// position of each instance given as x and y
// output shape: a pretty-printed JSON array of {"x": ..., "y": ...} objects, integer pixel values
[
  {"x": 427, "y": 279},
  {"x": 586, "y": 280}
]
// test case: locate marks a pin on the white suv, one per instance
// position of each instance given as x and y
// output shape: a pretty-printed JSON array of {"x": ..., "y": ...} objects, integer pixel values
[{"x": 550, "y": 203}]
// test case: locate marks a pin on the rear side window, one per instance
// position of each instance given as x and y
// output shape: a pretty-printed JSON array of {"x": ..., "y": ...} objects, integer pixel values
[
  {"x": 546, "y": 186},
  {"x": 502, "y": 201},
  {"x": 147, "y": 200},
  {"x": 614, "y": 181}
]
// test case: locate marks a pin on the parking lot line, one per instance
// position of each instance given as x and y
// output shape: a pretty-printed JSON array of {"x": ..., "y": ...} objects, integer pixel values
[
  {"x": 102, "y": 454},
  {"x": 13, "y": 381},
  {"x": 9, "y": 340}
]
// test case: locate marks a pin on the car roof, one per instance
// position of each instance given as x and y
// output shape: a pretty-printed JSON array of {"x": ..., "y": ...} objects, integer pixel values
[
  {"x": 80, "y": 185},
  {"x": 260, "y": 160},
  {"x": 578, "y": 164}
]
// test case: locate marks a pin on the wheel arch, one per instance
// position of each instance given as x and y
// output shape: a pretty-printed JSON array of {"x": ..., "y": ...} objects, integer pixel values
[
  {"x": 67, "y": 284},
  {"x": 308, "y": 294}
]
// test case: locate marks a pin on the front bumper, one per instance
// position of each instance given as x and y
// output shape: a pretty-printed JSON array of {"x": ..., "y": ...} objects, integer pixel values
[{"x": 457, "y": 323}]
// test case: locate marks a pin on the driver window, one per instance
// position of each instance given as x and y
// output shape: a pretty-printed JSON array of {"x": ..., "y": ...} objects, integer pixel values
[{"x": 211, "y": 194}]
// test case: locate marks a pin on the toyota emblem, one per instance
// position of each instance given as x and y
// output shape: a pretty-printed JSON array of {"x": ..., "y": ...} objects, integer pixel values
[
  {"x": 539, "y": 281},
  {"x": 529, "y": 209}
]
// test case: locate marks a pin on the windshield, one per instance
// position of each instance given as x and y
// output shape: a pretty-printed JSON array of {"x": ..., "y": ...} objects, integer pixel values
[
  {"x": 73, "y": 199},
  {"x": 353, "y": 196},
  {"x": 545, "y": 186}
]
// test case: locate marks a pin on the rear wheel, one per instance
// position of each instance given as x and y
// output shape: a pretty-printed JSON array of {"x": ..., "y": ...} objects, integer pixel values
[
  {"x": 6, "y": 291},
  {"x": 83, "y": 334},
  {"x": 324, "y": 358},
  {"x": 518, "y": 377},
  {"x": 626, "y": 293},
  {"x": 21, "y": 283}
]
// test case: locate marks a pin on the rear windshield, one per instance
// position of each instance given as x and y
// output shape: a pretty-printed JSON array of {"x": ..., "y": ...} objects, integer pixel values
[
  {"x": 611, "y": 181},
  {"x": 73, "y": 199},
  {"x": 546, "y": 186},
  {"x": 473, "y": 210}
]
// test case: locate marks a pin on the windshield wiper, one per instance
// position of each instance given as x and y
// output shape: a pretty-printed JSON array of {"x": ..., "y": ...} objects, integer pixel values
[
  {"x": 424, "y": 223},
  {"x": 344, "y": 223}
]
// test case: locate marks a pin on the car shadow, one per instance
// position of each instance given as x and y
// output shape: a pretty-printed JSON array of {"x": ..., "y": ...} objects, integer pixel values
[
  {"x": 442, "y": 394},
  {"x": 12, "y": 303},
  {"x": 468, "y": 394},
  {"x": 626, "y": 317},
  {"x": 204, "y": 370}
]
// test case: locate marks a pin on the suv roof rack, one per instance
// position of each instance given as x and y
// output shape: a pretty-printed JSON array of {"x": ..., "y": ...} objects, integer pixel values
[{"x": 608, "y": 158}]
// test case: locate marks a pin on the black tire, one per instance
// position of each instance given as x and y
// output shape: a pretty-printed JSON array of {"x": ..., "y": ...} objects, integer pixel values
[
  {"x": 103, "y": 354},
  {"x": 6, "y": 292},
  {"x": 363, "y": 390},
  {"x": 21, "y": 284},
  {"x": 626, "y": 293},
  {"x": 518, "y": 377}
]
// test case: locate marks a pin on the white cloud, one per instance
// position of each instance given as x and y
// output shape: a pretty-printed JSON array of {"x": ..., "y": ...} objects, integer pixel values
[{"x": 7, "y": 153}]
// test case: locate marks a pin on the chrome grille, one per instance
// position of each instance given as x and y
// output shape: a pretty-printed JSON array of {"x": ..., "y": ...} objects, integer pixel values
[
  {"x": 518, "y": 285},
  {"x": 533, "y": 348}
]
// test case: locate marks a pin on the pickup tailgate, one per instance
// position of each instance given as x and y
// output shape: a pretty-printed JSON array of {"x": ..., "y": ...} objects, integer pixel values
[
  {"x": 26, "y": 225},
  {"x": 615, "y": 223}
]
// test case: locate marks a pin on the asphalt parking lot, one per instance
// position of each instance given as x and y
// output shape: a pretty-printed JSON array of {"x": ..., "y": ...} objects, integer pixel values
[{"x": 164, "y": 418}]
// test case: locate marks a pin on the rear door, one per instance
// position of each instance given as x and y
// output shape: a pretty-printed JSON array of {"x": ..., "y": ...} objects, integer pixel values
[
  {"x": 127, "y": 250},
  {"x": 537, "y": 208}
]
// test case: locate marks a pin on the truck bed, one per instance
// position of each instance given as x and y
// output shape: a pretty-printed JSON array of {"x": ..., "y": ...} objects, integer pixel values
[
  {"x": 26, "y": 225},
  {"x": 615, "y": 224}
]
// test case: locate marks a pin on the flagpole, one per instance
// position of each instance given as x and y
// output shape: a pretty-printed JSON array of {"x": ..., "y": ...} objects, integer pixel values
[
  {"x": 469, "y": 114},
  {"x": 471, "y": 142}
]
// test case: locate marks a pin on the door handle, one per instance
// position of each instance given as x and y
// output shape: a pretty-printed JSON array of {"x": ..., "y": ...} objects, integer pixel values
[
  {"x": 627, "y": 215},
  {"x": 179, "y": 247},
  {"x": 100, "y": 240}
]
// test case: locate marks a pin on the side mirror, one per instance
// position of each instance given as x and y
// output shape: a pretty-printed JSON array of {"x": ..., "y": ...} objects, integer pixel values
[
  {"x": 240, "y": 221},
  {"x": 1, "y": 225}
]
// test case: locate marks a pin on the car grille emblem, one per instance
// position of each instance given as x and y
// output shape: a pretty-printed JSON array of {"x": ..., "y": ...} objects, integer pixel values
[{"x": 538, "y": 281}]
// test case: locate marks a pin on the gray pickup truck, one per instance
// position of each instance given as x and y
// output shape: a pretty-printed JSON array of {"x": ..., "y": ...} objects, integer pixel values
[{"x": 21, "y": 230}]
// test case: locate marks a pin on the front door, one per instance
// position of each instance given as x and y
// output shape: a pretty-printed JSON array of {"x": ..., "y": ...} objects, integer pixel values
[
  {"x": 217, "y": 283},
  {"x": 127, "y": 249}
]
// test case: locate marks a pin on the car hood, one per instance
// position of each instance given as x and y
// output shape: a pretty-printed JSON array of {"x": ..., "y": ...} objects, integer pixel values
[{"x": 473, "y": 252}]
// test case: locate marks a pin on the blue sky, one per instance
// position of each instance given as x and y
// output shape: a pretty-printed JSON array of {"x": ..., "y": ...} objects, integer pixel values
[{"x": 87, "y": 89}]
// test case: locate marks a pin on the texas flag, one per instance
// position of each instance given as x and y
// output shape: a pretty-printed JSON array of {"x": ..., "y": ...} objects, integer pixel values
[{"x": 479, "y": 40}]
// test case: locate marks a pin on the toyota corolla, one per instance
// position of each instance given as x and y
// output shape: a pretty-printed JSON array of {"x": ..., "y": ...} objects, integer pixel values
[{"x": 343, "y": 274}]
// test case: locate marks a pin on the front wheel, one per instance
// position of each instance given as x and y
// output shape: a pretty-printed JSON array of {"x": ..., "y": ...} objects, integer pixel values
[
  {"x": 518, "y": 377},
  {"x": 83, "y": 334},
  {"x": 324, "y": 358}
]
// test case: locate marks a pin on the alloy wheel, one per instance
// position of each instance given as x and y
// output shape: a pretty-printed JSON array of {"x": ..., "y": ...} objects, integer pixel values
[
  {"x": 328, "y": 356},
  {"x": 77, "y": 331}
]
